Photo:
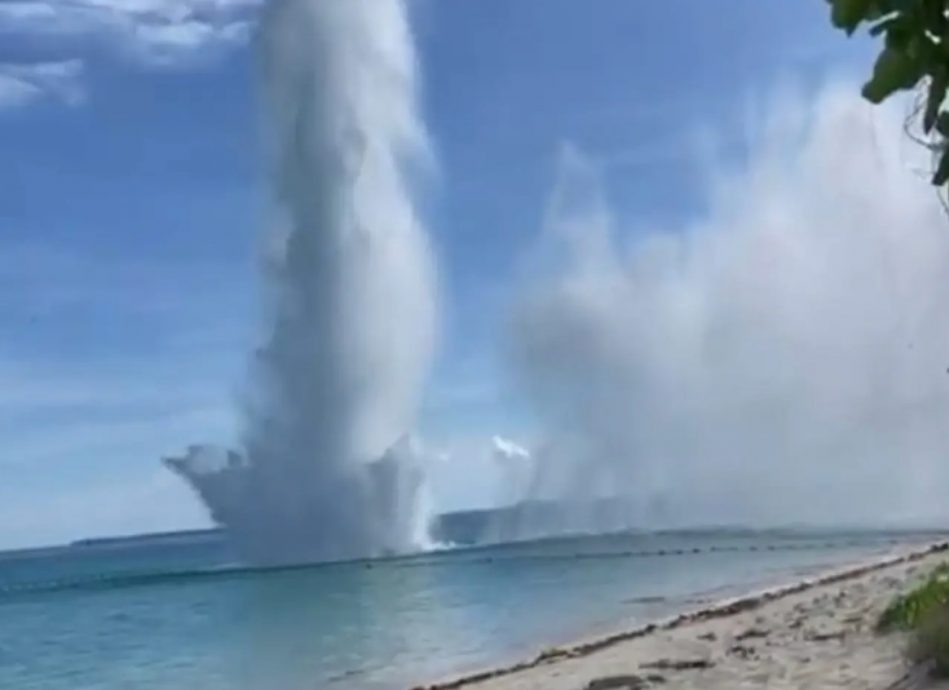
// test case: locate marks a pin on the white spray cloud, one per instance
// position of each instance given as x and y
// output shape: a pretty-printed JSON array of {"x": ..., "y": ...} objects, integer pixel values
[
  {"x": 782, "y": 360},
  {"x": 508, "y": 451},
  {"x": 353, "y": 295},
  {"x": 515, "y": 469}
]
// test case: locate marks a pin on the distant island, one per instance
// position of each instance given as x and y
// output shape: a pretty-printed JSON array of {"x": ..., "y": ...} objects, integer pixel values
[
  {"x": 190, "y": 535},
  {"x": 526, "y": 520}
]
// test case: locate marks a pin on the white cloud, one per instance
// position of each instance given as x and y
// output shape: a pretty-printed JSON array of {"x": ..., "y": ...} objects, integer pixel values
[
  {"x": 163, "y": 34},
  {"x": 16, "y": 92},
  {"x": 23, "y": 84},
  {"x": 168, "y": 44},
  {"x": 26, "y": 15},
  {"x": 154, "y": 32}
]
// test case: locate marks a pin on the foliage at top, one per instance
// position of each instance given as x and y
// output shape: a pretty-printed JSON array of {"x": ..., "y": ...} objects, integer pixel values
[
  {"x": 915, "y": 54},
  {"x": 909, "y": 611}
]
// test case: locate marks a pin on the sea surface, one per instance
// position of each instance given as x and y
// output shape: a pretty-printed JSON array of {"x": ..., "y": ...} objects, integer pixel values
[{"x": 182, "y": 613}]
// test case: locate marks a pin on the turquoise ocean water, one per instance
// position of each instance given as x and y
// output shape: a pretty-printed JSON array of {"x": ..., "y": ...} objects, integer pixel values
[{"x": 184, "y": 614}]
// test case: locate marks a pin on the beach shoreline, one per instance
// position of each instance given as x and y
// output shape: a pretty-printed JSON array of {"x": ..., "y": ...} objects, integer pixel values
[{"x": 627, "y": 658}]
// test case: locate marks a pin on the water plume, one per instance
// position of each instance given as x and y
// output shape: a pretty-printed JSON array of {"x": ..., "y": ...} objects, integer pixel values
[
  {"x": 323, "y": 473},
  {"x": 782, "y": 359}
]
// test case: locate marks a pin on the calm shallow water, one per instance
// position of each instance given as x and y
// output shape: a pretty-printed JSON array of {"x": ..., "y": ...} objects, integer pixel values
[{"x": 177, "y": 616}]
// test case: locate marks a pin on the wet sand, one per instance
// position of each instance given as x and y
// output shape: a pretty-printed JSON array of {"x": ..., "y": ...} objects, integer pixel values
[{"x": 817, "y": 633}]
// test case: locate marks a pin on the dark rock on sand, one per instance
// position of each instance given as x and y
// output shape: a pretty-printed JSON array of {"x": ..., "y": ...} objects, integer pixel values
[
  {"x": 625, "y": 682},
  {"x": 752, "y": 633},
  {"x": 742, "y": 651},
  {"x": 678, "y": 664}
]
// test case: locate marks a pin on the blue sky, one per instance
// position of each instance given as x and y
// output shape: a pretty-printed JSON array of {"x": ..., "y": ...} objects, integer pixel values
[{"x": 133, "y": 195}]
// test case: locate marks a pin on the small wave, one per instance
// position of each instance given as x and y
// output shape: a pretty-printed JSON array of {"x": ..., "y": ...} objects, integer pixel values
[
  {"x": 644, "y": 600},
  {"x": 117, "y": 580}
]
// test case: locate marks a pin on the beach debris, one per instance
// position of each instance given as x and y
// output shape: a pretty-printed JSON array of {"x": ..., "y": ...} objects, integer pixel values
[
  {"x": 752, "y": 633},
  {"x": 814, "y": 636},
  {"x": 742, "y": 651},
  {"x": 627, "y": 681},
  {"x": 553, "y": 653},
  {"x": 708, "y": 637},
  {"x": 618, "y": 682},
  {"x": 678, "y": 664}
]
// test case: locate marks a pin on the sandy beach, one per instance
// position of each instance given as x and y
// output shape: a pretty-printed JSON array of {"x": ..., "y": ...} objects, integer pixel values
[{"x": 813, "y": 634}]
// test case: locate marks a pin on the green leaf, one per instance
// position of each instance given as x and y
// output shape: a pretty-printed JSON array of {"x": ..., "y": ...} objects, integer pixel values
[
  {"x": 937, "y": 93},
  {"x": 942, "y": 171},
  {"x": 932, "y": 12},
  {"x": 894, "y": 70},
  {"x": 847, "y": 14},
  {"x": 887, "y": 25},
  {"x": 906, "y": 611},
  {"x": 942, "y": 124},
  {"x": 898, "y": 37}
]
